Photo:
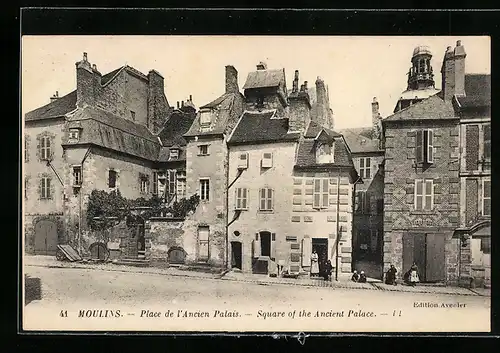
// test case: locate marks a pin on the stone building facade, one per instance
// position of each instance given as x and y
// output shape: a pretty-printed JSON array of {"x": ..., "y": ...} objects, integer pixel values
[
  {"x": 367, "y": 154},
  {"x": 113, "y": 133},
  {"x": 422, "y": 185},
  {"x": 290, "y": 181}
]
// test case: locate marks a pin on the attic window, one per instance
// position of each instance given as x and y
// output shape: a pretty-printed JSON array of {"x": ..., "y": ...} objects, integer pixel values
[
  {"x": 205, "y": 117},
  {"x": 324, "y": 153},
  {"x": 174, "y": 154},
  {"x": 74, "y": 134}
]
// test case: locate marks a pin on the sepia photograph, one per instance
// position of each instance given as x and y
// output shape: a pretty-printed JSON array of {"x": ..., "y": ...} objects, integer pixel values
[{"x": 256, "y": 183}]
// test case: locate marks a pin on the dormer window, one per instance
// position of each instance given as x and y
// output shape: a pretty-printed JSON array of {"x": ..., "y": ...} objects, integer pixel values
[
  {"x": 324, "y": 153},
  {"x": 205, "y": 117},
  {"x": 174, "y": 154},
  {"x": 74, "y": 134}
]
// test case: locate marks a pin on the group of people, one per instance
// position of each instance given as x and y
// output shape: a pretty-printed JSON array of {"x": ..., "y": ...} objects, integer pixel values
[{"x": 410, "y": 277}]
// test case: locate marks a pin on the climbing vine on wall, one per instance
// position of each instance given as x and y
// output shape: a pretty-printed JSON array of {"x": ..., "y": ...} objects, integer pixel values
[{"x": 105, "y": 210}]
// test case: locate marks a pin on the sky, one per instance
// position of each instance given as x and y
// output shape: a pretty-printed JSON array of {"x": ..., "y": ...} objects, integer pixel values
[{"x": 356, "y": 69}]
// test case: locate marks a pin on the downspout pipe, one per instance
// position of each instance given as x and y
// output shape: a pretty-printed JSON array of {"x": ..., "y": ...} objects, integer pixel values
[
  {"x": 80, "y": 204},
  {"x": 240, "y": 171}
]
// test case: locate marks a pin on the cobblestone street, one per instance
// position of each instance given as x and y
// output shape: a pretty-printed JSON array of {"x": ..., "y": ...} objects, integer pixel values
[{"x": 74, "y": 289}]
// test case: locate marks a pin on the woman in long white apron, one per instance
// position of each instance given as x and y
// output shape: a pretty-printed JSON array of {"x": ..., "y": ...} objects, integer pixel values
[{"x": 314, "y": 263}]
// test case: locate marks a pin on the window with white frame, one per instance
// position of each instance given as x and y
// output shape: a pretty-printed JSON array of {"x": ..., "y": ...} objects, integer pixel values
[
  {"x": 365, "y": 167},
  {"x": 267, "y": 160},
  {"x": 205, "y": 189},
  {"x": 324, "y": 153},
  {"x": 266, "y": 199},
  {"x": 77, "y": 175},
  {"x": 424, "y": 194},
  {"x": 486, "y": 197},
  {"x": 45, "y": 191},
  {"x": 424, "y": 150},
  {"x": 144, "y": 183},
  {"x": 45, "y": 148},
  {"x": 241, "y": 199},
  {"x": 181, "y": 185},
  {"x": 203, "y": 150},
  {"x": 320, "y": 194},
  {"x": 205, "y": 117},
  {"x": 174, "y": 154},
  {"x": 74, "y": 134}
]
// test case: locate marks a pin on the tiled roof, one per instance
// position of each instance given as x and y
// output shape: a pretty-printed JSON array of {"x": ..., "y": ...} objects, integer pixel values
[
  {"x": 107, "y": 130},
  {"x": 361, "y": 140},
  {"x": 175, "y": 127},
  {"x": 433, "y": 107},
  {"x": 264, "y": 78},
  {"x": 477, "y": 91},
  {"x": 106, "y": 78},
  {"x": 54, "y": 109},
  {"x": 314, "y": 128},
  {"x": 306, "y": 154},
  {"x": 227, "y": 109},
  {"x": 259, "y": 127}
]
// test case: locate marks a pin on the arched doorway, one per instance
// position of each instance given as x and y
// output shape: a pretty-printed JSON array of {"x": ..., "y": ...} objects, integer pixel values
[
  {"x": 45, "y": 237},
  {"x": 236, "y": 260},
  {"x": 176, "y": 255}
]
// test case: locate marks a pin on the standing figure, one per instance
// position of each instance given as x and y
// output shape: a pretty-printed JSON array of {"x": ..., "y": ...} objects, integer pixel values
[
  {"x": 355, "y": 276},
  {"x": 390, "y": 275},
  {"x": 414, "y": 276},
  {"x": 327, "y": 274},
  {"x": 314, "y": 264},
  {"x": 362, "y": 277}
]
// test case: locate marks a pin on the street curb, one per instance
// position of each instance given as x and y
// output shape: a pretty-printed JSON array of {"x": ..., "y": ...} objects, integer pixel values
[{"x": 372, "y": 286}]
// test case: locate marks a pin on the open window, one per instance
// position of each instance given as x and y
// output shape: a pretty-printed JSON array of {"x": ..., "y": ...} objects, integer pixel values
[
  {"x": 424, "y": 150},
  {"x": 267, "y": 160},
  {"x": 243, "y": 161}
]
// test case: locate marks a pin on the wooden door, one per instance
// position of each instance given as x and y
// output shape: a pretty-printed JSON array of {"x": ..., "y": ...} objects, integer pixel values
[
  {"x": 414, "y": 251},
  {"x": 203, "y": 243},
  {"x": 435, "y": 258},
  {"x": 45, "y": 238}
]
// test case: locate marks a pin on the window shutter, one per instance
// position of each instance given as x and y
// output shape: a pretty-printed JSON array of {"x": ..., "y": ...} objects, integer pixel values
[
  {"x": 40, "y": 188},
  {"x": 487, "y": 140},
  {"x": 50, "y": 149},
  {"x": 487, "y": 198},
  {"x": 429, "y": 194},
  {"x": 155, "y": 183},
  {"x": 368, "y": 168},
  {"x": 262, "y": 196},
  {"x": 51, "y": 188},
  {"x": 419, "y": 155},
  {"x": 471, "y": 147},
  {"x": 317, "y": 193},
  {"x": 244, "y": 199},
  {"x": 419, "y": 189},
  {"x": 273, "y": 245},
  {"x": 430, "y": 147},
  {"x": 237, "y": 193},
  {"x": 325, "y": 193},
  {"x": 270, "y": 199},
  {"x": 306, "y": 251}
]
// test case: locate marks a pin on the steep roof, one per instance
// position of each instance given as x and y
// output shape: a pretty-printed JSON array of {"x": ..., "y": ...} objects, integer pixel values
[
  {"x": 361, "y": 140},
  {"x": 226, "y": 108},
  {"x": 264, "y": 78},
  {"x": 314, "y": 128},
  {"x": 55, "y": 109},
  {"x": 306, "y": 154},
  {"x": 175, "y": 127},
  {"x": 259, "y": 127},
  {"x": 477, "y": 91},
  {"x": 107, "y": 130},
  {"x": 431, "y": 108}
]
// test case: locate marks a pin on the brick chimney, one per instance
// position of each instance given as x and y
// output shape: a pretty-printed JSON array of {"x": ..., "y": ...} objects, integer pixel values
[
  {"x": 453, "y": 72},
  {"x": 376, "y": 118},
  {"x": 299, "y": 107},
  {"x": 84, "y": 83},
  {"x": 231, "y": 80}
]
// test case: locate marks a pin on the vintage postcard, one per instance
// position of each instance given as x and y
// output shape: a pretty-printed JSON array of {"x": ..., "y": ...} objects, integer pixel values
[{"x": 256, "y": 183}]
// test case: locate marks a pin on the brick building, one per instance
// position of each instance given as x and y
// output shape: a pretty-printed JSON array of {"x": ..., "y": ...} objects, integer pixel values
[
  {"x": 422, "y": 185},
  {"x": 290, "y": 178},
  {"x": 367, "y": 154},
  {"x": 474, "y": 108},
  {"x": 114, "y": 132}
]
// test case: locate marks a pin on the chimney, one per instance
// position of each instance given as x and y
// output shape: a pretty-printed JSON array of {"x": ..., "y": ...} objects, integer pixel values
[
  {"x": 54, "y": 97},
  {"x": 262, "y": 66},
  {"x": 375, "y": 118},
  {"x": 295, "y": 87},
  {"x": 190, "y": 97},
  {"x": 305, "y": 86},
  {"x": 231, "y": 79},
  {"x": 157, "y": 102},
  {"x": 453, "y": 72},
  {"x": 178, "y": 104},
  {"x": 182, "y": 104},
  {"x": 84, "y": 83}
]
